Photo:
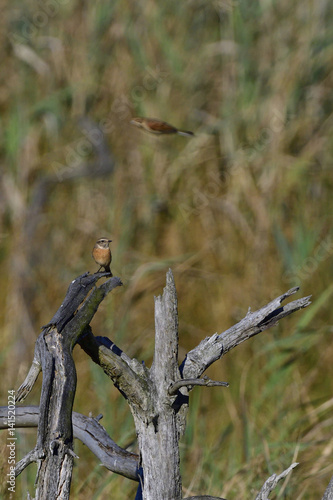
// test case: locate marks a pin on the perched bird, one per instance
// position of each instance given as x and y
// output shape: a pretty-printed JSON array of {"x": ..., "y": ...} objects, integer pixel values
[
  {"x": 158, "y": 127},
  {"x": 102, "y": 254}
]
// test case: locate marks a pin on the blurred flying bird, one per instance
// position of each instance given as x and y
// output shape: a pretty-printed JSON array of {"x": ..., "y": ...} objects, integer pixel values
[{"x": 158, "y": 127}]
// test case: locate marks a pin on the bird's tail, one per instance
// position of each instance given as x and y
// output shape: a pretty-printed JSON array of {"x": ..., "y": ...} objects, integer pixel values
[
  {"x": 186, "y": 133},
  {"x": 108, "y": 270}
]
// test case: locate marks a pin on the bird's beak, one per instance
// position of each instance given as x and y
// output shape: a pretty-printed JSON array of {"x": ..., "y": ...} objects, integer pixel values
[{"x": 109, "y": 241}]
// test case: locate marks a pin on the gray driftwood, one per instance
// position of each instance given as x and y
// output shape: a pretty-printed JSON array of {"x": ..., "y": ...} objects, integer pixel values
[
  {"x": 90, "y": 432},
  {"x": 158, "y": 397},
  {"x": 271, "y": 482},
  {"x": 53, "y": 355}
]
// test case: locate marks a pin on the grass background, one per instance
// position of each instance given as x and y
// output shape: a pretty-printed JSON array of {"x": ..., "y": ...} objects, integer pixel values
[{"x": 241, "y": 213}]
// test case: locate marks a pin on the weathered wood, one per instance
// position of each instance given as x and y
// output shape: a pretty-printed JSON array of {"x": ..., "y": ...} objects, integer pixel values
[
  {"x": 76, "y": 293},
  {"x": 54, "y": 436},
  {"x": 147, "y": 394},
  {"x": 89, "y": 431},
  {"x": 53, "y": 353},
  {"x": 328, "y": 495},
  {"x": 271, "y": 482},
  {"x": 158, "y": 398},
  {"x": 155, "y": 415},
  {"x": 213, "y": 348},
  {"x": 191, "y": 382},
  {"x": 160, "y": 418},
  {"x": 204, "y": 497},
  {"x": 129, "y": 376},
  {"x": 158, "y": 437}
]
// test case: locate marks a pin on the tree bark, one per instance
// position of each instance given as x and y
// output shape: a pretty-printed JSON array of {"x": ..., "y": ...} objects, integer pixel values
[
  {"x": 158, "y": 435},
  {"x": 159, "y": 411},
  {"x": 53, "y": 355},
  {"x": 90, "y": 432}
]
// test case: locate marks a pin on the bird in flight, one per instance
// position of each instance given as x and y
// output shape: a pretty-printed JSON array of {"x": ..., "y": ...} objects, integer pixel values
[{"x": 158, "y": 127}]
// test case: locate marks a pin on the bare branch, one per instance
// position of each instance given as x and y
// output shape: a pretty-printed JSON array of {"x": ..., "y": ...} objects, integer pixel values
[
  {"x": 77, "y": 293},
  {"x": 31, "y": 457},
  {"x": 87, "y": 430},
  {"x": 272, "y": 481},
  {"x": 165, "y": 364},
  {"x": 189, "y": 382},
  {"x": 129, "y": 376},
  {"x": 87, "y": 311},
  {"x": 214, "y": 347},
  {"x": 328, "y": 495},
  {"x": 29, "y": 381}
]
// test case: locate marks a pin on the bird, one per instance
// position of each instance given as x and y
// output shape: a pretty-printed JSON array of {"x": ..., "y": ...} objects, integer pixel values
[
  {"x": 102, "y": 254},
  {"x": 158, "y": 127}
]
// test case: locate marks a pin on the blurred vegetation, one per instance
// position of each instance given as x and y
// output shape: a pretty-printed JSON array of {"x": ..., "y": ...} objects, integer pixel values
[{"x": 241, "y": 213}]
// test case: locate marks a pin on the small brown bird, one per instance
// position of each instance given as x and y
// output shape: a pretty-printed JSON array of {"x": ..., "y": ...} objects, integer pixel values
[
  {"x": 158, "y": 127},
  {"x": 102, "y": 254}
]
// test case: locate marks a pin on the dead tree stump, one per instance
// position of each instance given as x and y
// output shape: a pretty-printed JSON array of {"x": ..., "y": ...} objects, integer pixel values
[{"x": 158, "y": 397}]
